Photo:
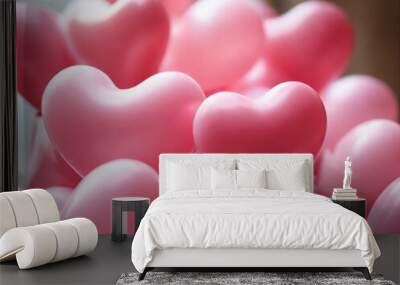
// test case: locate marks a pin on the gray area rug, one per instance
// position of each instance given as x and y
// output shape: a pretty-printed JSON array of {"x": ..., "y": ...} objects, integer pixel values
[{"x": 236, "y": 278}]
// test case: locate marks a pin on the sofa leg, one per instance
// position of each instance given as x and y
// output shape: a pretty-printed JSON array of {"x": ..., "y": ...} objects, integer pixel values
[
  {"x": 364, "y": 271},
  {"x": 143, "y": 274}
]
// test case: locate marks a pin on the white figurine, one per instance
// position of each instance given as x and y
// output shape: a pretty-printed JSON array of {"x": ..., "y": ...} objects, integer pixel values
[{"x": 347, "y": 174}]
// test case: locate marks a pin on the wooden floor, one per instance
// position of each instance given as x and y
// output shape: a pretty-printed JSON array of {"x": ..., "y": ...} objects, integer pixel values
[{"x": 111, "y": 259}]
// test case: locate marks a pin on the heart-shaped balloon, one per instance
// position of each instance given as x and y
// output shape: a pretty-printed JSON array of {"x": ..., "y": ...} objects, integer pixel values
[
  {"x": 46, "y": 167},
  {"x": 119, "y": 178},
  {"x": 265, "y": 11},
  {"x": 354, "y": 99},
  {"x": 374, "y": 148},
  {"x": 261, "y": 77},
  {"x": 216, "y": 42},
  {"x": 42, "y": 50},
  {"x": 176, "y": 8},
  {"x": 384, "y": 217},
  {"x": 311, "y": 43},
  {"x": 60, "y": 195},
  {"x": 289, "y": 118},
  {"x": 91, "y": 121},
  {"x": 126, "y": 40}
]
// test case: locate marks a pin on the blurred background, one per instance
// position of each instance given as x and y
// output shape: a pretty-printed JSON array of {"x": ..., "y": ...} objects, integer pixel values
[
  {"x": 377, "y": 31},
  {"x": 376, "y": 52}
]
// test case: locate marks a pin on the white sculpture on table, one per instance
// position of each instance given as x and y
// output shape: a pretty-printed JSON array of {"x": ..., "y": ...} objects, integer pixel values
[{"x": 347, "y": 174}]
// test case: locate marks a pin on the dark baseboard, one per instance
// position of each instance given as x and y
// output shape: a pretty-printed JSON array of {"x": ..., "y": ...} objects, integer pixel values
[{"x": 8, "y": 97}]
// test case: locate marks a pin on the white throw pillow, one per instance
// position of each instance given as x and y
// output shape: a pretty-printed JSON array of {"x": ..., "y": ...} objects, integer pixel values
[
  {"x": 194, "y": 173},
  {"x": 182, "y": 177},
  {"x": 251, "y": 178},
  {"x": 223, "y": 179},
  {"x": 281, "y": 174}
]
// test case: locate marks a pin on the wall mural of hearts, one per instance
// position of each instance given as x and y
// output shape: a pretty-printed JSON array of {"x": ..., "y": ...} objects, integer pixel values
[
  {"x": 354, "y": 99},
  {"x": 41, "y": 43},
  {"x": 126, "y": 39},
  {"x": 115, "y": 83},
  {"x": 81, "y": 104},
  {"x": 374, "y": 140},
  {"x": 388, "y": 204},
  {"x": 288, "y": 118},
  {"x": 216, "y": 42},
  {"x": 311, "y": 43},
  {"x": 60, "y": 195},
  {"x": 46, "y": 166},
  {"x": 117, "y": 178}
]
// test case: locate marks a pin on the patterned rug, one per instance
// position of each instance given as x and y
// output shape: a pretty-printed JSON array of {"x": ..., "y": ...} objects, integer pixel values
[{"x": 243, "y": 278}]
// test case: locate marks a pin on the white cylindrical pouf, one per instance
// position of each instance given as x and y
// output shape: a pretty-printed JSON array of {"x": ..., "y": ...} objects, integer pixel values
[
  {"x": 87, "y": 233},
  {"x": 34, "y": 246},
  {"x": 45, "y": 205},
  {"x": 23, "y": 208},
  {"x": 7, "y": 218},
  {"x": 67, "y": 240}
]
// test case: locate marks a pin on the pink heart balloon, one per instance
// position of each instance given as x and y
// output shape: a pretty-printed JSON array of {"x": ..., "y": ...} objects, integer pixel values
[
  {"x": 311, "y": 43},
  {"x": 42, "y": 50},
  {"x": 289, "y": 118},
  {"x": 176, "y": 8},
  {"x": 118, "y": 178},
  {"x": 126, "y": 40},
  {"x": 46, "y": 167},
  {"x": 260, "y": 76},
  {"x": 216, "y": 42},
  {"x": 384, "y": 217},
  {"x": 254, "y": 92},
  {"x": 91, "y": 121},
  {"x": 374, "y": 147},
  {"x": 354, "y": 99},
  {"x": 60, "y": 195},
  {"x": 265, "y": 11}
]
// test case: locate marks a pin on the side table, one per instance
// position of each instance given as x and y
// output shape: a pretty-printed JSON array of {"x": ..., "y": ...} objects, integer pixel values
[
  {"x": 122, "y": 205},
  {"x": 358, "y": 205}
]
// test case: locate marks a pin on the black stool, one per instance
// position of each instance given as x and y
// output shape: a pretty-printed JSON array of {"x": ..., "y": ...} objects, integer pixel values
[{"x": 122, "y": 205}]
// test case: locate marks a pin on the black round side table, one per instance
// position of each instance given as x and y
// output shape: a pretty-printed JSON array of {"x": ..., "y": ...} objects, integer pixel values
[{"x": 122, "y": 205}]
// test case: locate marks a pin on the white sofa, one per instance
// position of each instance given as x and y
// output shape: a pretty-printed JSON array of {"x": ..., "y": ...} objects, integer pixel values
[{"x": 31, "y": 231}]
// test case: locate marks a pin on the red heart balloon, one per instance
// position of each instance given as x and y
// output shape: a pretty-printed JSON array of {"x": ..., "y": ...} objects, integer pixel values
[
  {"x": 126, "y": 40},
  {"x": 216, "y": 42},
  {"x": 42, "y": 50},
  {"x": 118, "y": 178},
  {"x": 91, "y": 121},
  {"x": 384, "y": 217},
  {"x": 46, "y": 167},
  {"x": 289, "y": 118},
  {"x": 374, "y": 147},
  {"x": 311, "y": 43}
]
